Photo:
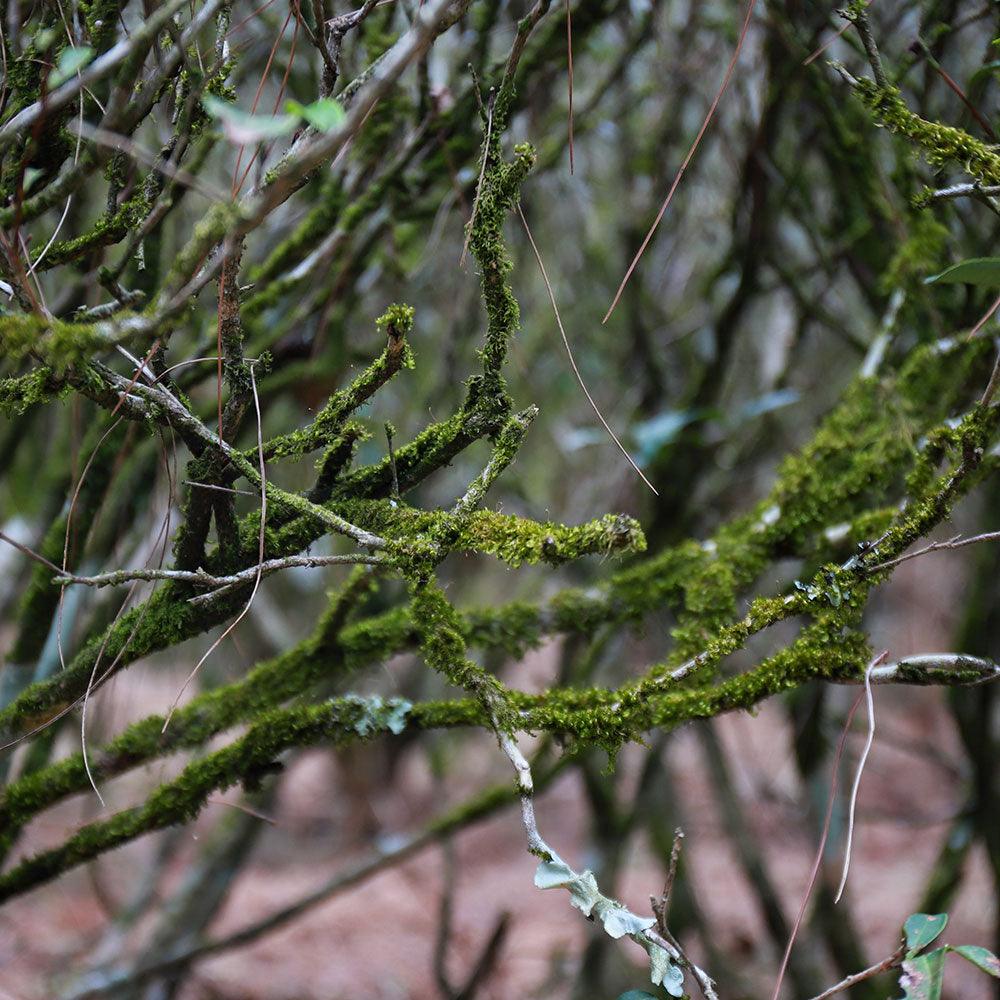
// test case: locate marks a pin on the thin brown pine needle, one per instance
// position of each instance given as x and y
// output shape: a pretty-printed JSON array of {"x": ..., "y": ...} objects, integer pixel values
[
  {"x": 569, "y": 63},
  {"x": 751, "y": 6},
  {"x": 984, "y": 319},
  {"x": 824, "y": 835},
  {"x": 260, "y": 558},
  {"x": 572, "y": 360}
]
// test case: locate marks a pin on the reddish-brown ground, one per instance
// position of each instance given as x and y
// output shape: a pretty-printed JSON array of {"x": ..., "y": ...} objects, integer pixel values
[{"x": 376, "y": 941}]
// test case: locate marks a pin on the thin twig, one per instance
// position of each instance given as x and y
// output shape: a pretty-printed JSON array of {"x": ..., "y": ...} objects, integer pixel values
[
  {"x": 538, "y": 847},
  {"x": 990, "y": 391},
  {"x": 260, "y": 556},
  {"x": 955, "y": 542},
  {"x": 956, "y": 89},
  {"x": 569, "y": 62},
  {"x": 817, "y": 861},
  {"x": 203, "y": 579},
  {"x": 964, "y": 191},
  {"x": 860, "y": 18},
  {"x": 30, "y": 553},
  {"x": 104, "y": 137},
  {"x": 891, "y": 962},
  {"x": 984, "y": 318}
]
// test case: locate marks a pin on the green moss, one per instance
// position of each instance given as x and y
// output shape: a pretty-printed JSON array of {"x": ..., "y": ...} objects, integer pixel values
[
  {"x": 101, "y": 20},
  {"x": 111, "y": 228},
  {"x": 497, "y": 194},
  {"x": 443, "y": 648},
  {"x": 515, "y": 540},
  {"x": 222, "y": 219},
  {"x": 40, "y": 385},
  {"x": 180, "y": 800},
  {"x": 941, "y": 144},
  {"x": 396, "y": 323},
  {"x": 917, "y": 257},
  {"x": 58, "y": 343}
]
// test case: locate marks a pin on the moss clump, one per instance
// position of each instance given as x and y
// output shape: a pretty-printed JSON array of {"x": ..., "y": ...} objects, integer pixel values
[
  {"x": 443, "y": 647},
  {"x": 40, "y": 385},
  {"x": 396, "y": 323},
  {"x": 60, "y": 344},
  {"x": 940, "y": 144}
]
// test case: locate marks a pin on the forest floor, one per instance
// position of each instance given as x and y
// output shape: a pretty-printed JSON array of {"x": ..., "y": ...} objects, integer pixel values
[{"x": 377, "y": 940}]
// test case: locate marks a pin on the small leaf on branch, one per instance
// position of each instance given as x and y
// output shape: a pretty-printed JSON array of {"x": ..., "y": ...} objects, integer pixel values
[
  {"x": 974, "y": 271},
  {"x": 923, "y": 976},
  {"x": 922, "y": 928},
  {"x": 981, "y": 957},
  {"x": 242, "y": 128},
  {"x": 324, "y": 115},
  {"x": 68, "y": 63}
]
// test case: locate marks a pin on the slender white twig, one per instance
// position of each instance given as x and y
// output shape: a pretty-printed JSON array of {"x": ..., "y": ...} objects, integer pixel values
[
  {"x": 870, "y": 704},
  {"x": 260, "y": 556},
  {"x": 964, "y": 191},
  {"x": 161, "y": 539},
  {"x": 820, "y": 849},
  {"x": 572, "y": 360},
  {"x": 203, "y": 579},
  {"x": 955, "y": 542}
]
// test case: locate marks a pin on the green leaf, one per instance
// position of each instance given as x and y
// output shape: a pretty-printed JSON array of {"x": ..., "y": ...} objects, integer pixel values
[
  {"x": 242, "y": 128},
  {"x": 981, "y": 957},
  {"x": 974, "y": 271},
  {"x": 68, "y": 62},
  {"x": 324, "y": 115},
  {"x": 922, "y": 928},
  {"x": 637, "y": 995},
  {"x": 659, "y": 431},
  {"x": 923, "y": 976}
]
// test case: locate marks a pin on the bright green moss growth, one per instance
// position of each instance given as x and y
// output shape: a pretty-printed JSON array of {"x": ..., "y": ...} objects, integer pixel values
[
  {"x": 396, "y": 323},
  {"x": 443, "y": 648},
  {"x": 940, "y": 144},
  {"x": 40, "y": 385}
]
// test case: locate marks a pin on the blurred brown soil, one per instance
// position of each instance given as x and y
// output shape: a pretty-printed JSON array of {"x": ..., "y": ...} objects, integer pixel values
[{"x": 376, "y": 941}]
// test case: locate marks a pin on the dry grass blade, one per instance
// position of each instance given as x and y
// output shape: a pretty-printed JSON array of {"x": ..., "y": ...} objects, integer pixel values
[
  {"x": 751, "y": 6},
  {"x": 870, "y": 701},
  {"x": 479, "y": 183},
  {"x": 572, "y": 360},
  {"x": 818, "y": 860},
  {"x": 260, "y": 557},
  {"x": 569, "y": 64}
]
